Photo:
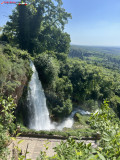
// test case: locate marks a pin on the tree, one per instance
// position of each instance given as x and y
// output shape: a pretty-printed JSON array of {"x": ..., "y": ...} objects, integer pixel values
[
  {"x": 38, "y": 23},
  {"x": 52, "y": 38},
  {"x": 47, "y": 69},
  {"x": 1, "y": 29},
  {"x": 23, "y": 34}
]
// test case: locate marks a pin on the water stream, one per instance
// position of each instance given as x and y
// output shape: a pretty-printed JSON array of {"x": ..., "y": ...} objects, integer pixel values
[
  {"x": 38, "y": 112},
  {"x": 39, "y": 115}
]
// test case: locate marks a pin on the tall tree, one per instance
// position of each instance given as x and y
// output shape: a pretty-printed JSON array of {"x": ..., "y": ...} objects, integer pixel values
[
  {"x": 23, "y": 27},
  {"x": 1, "y": 29},
  {"x": 39, "y": 23}
]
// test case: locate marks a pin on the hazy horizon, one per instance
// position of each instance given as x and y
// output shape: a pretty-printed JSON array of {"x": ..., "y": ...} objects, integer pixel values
[{"x": 94, "y": 45}]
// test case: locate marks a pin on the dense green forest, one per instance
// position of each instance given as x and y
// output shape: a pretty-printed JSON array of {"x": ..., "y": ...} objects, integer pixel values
[
  {"x": 71, "y": 76},
  {"x": 108, "y": 57}
]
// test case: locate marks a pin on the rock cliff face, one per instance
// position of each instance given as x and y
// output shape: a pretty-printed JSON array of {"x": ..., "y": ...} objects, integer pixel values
[
  {"x": 19, "y": 90},
  {"x": 20, "y": 94}
]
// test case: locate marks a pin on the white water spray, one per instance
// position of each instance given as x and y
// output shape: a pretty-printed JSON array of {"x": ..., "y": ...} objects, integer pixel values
[{"x": 68, "y": 122}]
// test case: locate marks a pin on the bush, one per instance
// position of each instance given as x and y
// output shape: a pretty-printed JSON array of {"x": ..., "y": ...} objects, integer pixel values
[
  {"x": 47, "y": 68},
  {"x": 108, "y": 126},
  {"x": 14, "y": 69},
  {"x": 81, "y": 119},
  {"x": 6, "y": 124}
]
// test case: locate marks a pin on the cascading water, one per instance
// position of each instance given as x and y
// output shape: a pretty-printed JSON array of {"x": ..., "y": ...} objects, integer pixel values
[
  {"x": 68, "y": 122},
  {"x": 38, "y": 112},
  {"x": 39, "y": 115}
]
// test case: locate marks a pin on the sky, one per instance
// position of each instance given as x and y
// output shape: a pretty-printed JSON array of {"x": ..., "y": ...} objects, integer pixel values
[{"x": 93, "y": 23}]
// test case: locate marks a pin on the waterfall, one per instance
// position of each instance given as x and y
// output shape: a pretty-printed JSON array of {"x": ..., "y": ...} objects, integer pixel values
[
  {"x": 37, "y": 108},
  {"x": 81, "y": 111},
  {"x": 38, "y": 112}
]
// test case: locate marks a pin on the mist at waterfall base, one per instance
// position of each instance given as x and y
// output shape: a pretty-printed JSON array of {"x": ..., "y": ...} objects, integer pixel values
[{"x": 38, "y": 112}]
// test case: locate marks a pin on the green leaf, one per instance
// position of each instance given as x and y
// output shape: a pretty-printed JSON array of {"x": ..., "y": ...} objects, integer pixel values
[
  {"x": 93, "y": 157},
  {"x": 79, "y": 153},
  {"x": 101, "y": 156},
  {"x": 18, "y": 134},
  {"x": 107, "y": 139},
  {"x": 89, "y": 145},
  {"x": 13, "y": 138},
  {"x": 20, "y": 141}
]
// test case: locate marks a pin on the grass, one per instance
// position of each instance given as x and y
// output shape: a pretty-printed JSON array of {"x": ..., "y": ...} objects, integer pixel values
[
  {"x": 86, "y": 132},
  {"x": 80, "y": 128}
]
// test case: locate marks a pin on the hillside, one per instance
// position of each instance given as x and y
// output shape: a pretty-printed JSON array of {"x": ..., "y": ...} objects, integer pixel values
[{"x": 108, "y": 57}]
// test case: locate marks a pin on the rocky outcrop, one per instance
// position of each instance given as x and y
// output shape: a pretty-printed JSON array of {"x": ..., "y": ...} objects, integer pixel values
[{"x": 19, "y": 90}]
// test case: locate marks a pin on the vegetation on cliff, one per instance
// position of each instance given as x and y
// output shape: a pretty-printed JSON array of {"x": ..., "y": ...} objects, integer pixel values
[
  {"x": 7, "y": 125},
  {"x": 14, "y": 71}
]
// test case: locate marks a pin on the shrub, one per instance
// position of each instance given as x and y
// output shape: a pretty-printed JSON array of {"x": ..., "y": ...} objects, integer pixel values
[
  {"x": 6, "y": 124},
  {"x": 108, "y": 126},
  {"x": 47, "y": 68},
  {"x": 14, "y": 68}
]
